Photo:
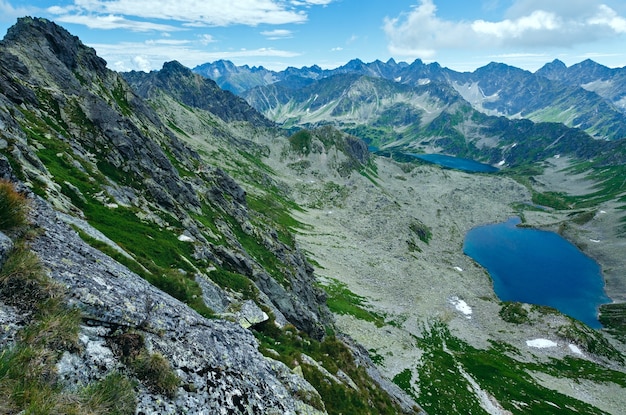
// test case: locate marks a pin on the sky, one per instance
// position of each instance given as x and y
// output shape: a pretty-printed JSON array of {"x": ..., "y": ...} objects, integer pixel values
[{"x": 459, "y": 34}]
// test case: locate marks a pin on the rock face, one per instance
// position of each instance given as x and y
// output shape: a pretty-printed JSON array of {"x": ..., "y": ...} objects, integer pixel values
[
  {"x": 98, "y": 125},
  {"x": 218, "y": 362},
  {"x": 195, "y": 91}
]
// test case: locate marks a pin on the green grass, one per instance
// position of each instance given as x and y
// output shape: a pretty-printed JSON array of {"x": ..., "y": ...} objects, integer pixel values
[
  {"x": 300, "y": 142},
  {"x": 422, "y": 231},
  {"x": 513, "y": 312},
  {"x": 28, "y": 378},
  {"x": 343, "y": 301},
  {"x": 275, "y": 211},
  {"x": 156, "y": 372},
  {"x": 613, "y": 318},
  {"x": 442, "y": 387},
  {"x": 113, "y": 395},
  {"x": 333, "y": 355},
  {"x": 13, "y": 207},
  {"x": 235, "y": 282}
]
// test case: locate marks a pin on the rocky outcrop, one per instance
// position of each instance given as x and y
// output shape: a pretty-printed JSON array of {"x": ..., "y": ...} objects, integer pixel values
[
  {"x": 217, "y": 361},
  {"x": 195, "y": 91}
]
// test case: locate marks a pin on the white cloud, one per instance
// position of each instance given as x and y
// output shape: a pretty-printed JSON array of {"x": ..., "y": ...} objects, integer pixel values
[
  {"x": 8, "y": 13},
  {"x": 277, "y": 34},
  {"x": 312, "y": 2},
  {"x": 141, "y": 63},
  {"x": 206, "y": 39},
  {"x": 199, "y": 12},
  {"x": 538, "y": 20},
  {"x": 123, "y": 56},
  {"x": 420, "y": 32},
  {"x": 110, "y": 22},
  {"x": 169, "y": 42},
  {"x": 608, "y": 17}
]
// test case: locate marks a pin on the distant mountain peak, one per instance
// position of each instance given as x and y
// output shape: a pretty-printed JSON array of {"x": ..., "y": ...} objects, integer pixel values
[{"x": 175, "y": 67}]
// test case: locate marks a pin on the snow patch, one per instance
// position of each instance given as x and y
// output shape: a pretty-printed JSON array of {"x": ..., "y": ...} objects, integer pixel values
[
  {"x": 575, "y": 349},
  {"x": 541, "y": 343},
  {"x": 185, "y": 238},
  {"x": 461, "y": 306}
]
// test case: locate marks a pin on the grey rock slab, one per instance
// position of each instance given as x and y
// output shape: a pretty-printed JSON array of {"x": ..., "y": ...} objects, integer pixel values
[{"x": 220, "y": 359}]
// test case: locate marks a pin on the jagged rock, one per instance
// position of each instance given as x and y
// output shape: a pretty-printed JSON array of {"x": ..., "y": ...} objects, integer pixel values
[
  {"x": 6, "y": 245},
  {"x": 11, "y": 321},
  {"x": 195, "y": 91},
  {"x": 250, "y": 314},
  {"x": 212, "y": 295},
  {"x": 220, "y": 359},
  {"x": 5, "y": 168},
  {"x": 357, "y": 149}
]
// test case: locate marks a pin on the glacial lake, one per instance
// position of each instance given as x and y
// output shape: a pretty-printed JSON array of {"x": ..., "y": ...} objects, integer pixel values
[
  {"x": 456, "y": 163},
  {"x": 538, "y": 267}
]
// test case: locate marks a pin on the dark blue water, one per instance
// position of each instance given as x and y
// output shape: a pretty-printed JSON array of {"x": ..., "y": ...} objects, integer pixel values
[
  {"x": 538, "y": 267},
  {"x": 456, "y": 163}
]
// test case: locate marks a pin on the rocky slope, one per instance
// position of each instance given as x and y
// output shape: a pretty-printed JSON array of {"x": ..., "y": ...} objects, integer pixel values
[
  {"x": 606, "y": 82},
  {"x": 154, "y": 185},
  {"x": 158, "y": 246}
]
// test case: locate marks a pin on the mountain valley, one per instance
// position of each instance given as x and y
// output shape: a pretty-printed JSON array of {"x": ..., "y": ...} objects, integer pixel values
[{"x": 276, "y": 251}]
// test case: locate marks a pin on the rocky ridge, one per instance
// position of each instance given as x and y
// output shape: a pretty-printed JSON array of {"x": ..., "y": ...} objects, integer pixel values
[{"x": 95, "y": 154}]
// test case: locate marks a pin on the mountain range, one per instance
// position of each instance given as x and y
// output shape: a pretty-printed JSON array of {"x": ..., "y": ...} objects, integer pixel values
[
  {"x": 261, "y": 242},
  {"x": 587, "y": 95}
]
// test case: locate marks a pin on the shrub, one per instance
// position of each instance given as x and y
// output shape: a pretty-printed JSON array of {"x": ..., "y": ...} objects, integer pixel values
[
  {"x": 513, "y": 312},
  {"x": 12, "y": 206},
  {"x": 113, "y": 395},
  {"x": 23, "y": 282},
  {"x": 156, "y": 372}
]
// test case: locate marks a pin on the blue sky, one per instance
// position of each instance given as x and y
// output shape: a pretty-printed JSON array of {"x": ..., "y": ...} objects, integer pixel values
[{"x": 459, "y": 34}]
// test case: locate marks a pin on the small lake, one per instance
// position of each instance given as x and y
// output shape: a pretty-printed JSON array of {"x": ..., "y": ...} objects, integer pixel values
[
  {"x": 456, "y": 163},
  {"x": 538, "y": 267}
]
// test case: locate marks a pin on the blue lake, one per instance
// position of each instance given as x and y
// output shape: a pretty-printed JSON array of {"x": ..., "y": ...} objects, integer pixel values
[
  {"x": 455, "y": 163},
  {"x": 538, "y": 267}
]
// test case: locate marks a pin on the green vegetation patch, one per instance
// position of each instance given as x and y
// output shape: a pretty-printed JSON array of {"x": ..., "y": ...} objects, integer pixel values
[
  {"x": 343, "y": 301},
  {"x": 613, "y": 318},
  {"x": 422, "y": 231},
  {"x": 513, "y": 312},
  {"x": 152, "y": 369},
  {"x": 234, "y": 282},
  {"x": 448, "y": 363},
  {"x": 13, "y": 207},
  {"x": 591, "y": 340},
  {"x": 334, "y": 356},
  {"x": 300, "y": 142}
]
